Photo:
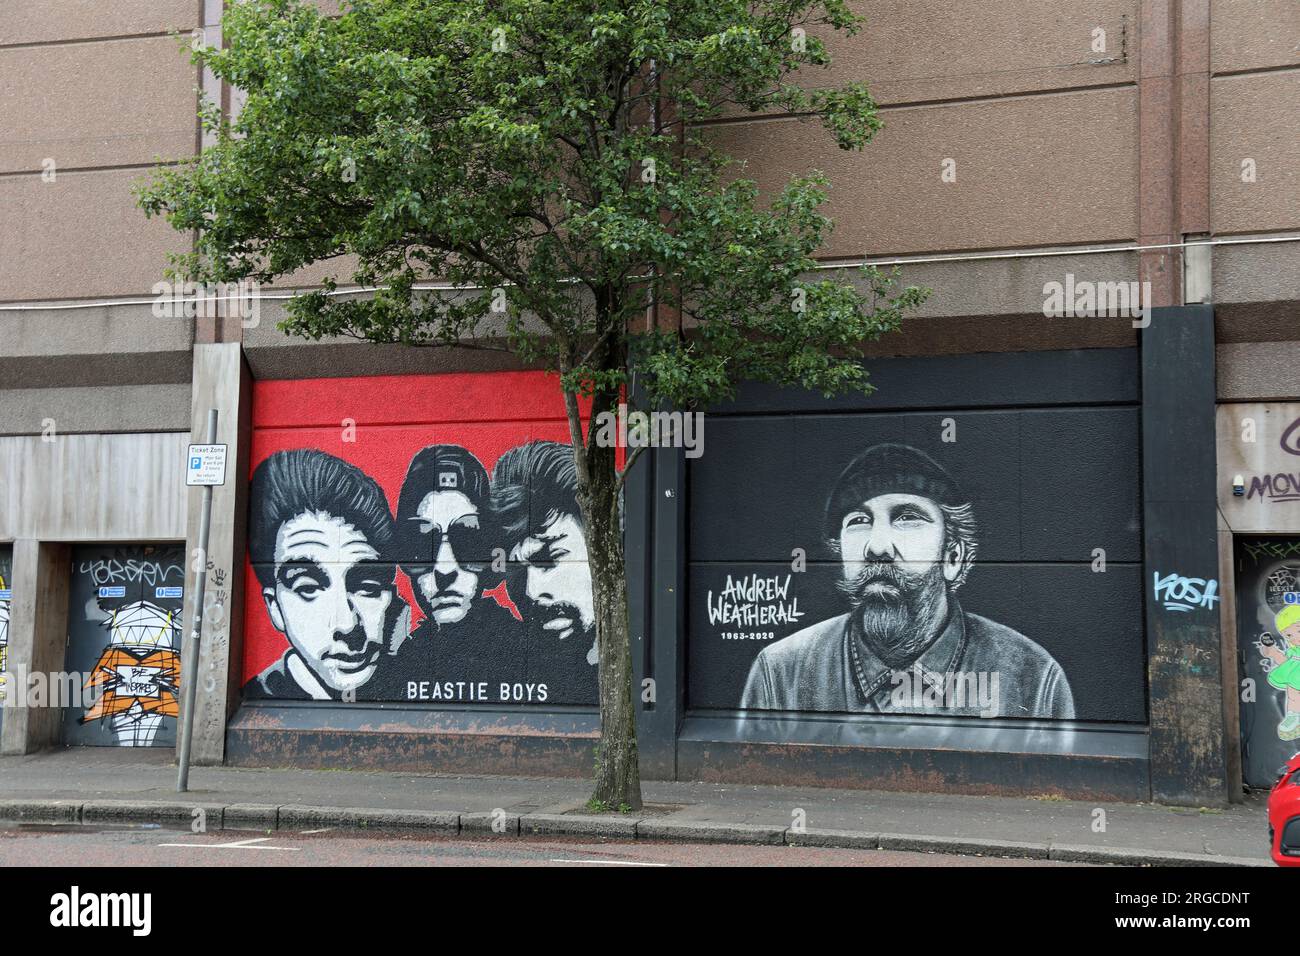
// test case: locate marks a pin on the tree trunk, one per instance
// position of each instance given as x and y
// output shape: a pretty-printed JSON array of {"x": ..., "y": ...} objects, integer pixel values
[{"x": 618, "y": 774}]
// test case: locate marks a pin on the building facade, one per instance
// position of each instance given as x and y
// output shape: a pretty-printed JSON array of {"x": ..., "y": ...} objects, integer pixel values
[{"x": 1098, "y": 404}]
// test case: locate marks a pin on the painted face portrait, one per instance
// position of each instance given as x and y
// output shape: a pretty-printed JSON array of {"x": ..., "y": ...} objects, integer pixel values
[
  {"x": 330, "y": 598},
  {"x": 556, "y": 579},
  {"x": 442, "y": 538},
  {"x": 898, "y": 563},
  {"x": 448, "y": 587}
]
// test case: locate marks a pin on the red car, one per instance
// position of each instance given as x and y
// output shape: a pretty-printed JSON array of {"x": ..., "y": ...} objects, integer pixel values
[{"x": 1284, "y": 815}]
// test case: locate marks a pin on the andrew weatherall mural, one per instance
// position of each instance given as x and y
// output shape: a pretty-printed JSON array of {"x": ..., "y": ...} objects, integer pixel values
[
  {"x": 906, "y": 537},
  {"x": 462, "y": 580},
  {"x": 950, "y": 564}
]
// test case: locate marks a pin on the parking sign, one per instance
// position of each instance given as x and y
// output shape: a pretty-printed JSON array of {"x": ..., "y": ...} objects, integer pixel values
[{"x": 207, "y": 465}]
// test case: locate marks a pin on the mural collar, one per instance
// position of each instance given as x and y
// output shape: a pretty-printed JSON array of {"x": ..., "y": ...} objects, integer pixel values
[{"x": 873, "y": 676}]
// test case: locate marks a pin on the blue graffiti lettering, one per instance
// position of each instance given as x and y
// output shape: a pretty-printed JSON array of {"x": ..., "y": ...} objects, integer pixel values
[{"x": 1179, "y": 593}]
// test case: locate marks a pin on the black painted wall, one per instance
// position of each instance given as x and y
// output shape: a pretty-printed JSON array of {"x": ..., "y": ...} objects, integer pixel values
[
  {"x": 1188, "y": 760},
  {"x": 1046, "y": 447}
]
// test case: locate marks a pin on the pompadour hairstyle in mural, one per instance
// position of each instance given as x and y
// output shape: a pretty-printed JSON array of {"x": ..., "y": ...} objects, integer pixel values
[
  {"x": 320, "y": 539},
  {"x": 906, "y": 537},
  {"x": 306, "y": 481}
]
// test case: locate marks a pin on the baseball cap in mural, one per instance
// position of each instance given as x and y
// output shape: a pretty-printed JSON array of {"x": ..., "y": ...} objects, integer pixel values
[
  {"x": 439, "y": 468},
  {"x": 1289, "y": 616},
  {"x": 888, "y": 469}
]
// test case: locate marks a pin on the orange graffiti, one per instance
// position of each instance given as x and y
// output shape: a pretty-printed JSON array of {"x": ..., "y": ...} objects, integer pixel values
[{"x": 164, "y": 668}]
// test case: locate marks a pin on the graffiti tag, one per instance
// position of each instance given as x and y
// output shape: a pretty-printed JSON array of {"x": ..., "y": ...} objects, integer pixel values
[
  {"x": 1272, "y": 549},
  {"x": 1291, "y": 438},
  {"x": 1279, "y": 487},
  {"x": 103, "y": 571},
  {"x": 1179, "y": 593}
]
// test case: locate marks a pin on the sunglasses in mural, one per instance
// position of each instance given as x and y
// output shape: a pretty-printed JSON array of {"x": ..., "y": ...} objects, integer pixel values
[{"x": 138, "y": 673}]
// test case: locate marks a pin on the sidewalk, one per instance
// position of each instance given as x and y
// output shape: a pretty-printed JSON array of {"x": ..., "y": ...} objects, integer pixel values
[{"x": 103, "y": 786}]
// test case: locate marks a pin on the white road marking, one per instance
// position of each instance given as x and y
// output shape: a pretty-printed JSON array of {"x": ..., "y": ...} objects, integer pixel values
[
  {"x": 237, "y": 845},
  {"x": 611, "y": 862},
  {"x": 321, "y": 830}
]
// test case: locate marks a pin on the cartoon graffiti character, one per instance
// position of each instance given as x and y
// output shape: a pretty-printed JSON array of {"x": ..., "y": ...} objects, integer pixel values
[
  {"x": 138, "y": 673},
  {"x": 320, "y": 533},
  {"x": 4, "y": 638},
  {"x": 1285, "y": 672},
  {"x": 905, "y": 535}
]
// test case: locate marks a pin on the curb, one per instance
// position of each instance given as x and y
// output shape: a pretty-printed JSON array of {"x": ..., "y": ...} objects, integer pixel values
[
  {"x": 614, "y": 828},
  {"x": 702, "y": 832},
  {"x": 269, "y": 817},
  {"x": 294, "y": 817},
  {"x": 1120, "y": 857},
  {"x": 932, "y": 844}
]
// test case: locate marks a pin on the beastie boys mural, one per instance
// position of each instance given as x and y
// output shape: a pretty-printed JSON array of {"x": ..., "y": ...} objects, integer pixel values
[
  {"x": 418, "y": 539},
  {"x": 461, "y": 579}
]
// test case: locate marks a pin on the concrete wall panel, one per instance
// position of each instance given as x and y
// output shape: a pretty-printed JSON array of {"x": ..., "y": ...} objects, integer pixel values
[
  {"x": 1055, "y": 169},
  {"x": 93, "y": 487},
  {"x": 1257, "y": 371},
  {"x": 45, "y": 21},
  {"x": 80, "y": 410},
  {"x": 95, "y": 346},
  {"x": 1253, "y": 34},
  {"x": 912, "y": 50},
  {"x": 1269, "y": 465},
  {"x": 1255, "y": 117},
  {"x": 100, "y": 104},
  {"x": 1264, "y": 272},
  {"x": 80, "y": 236}
]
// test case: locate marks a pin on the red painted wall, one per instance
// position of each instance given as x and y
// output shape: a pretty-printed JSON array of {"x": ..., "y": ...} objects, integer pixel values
[{"x": 395, "y": 416}]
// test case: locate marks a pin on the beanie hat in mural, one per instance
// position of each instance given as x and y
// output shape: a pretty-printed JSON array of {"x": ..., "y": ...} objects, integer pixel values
[
  {"x": 1287, "y": 617},
  {"x": 884, "y": 470}
]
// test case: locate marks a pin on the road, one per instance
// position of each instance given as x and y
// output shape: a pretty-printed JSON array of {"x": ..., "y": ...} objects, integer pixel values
[{"x": 41, "y": 845}]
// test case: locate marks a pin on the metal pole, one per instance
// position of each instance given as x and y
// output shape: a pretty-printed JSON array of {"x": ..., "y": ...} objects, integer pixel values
[{"x": 190, "y": 659}]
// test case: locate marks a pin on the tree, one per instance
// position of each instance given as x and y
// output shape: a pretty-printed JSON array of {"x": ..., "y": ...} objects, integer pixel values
[{"x": 540, "y": 160}]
